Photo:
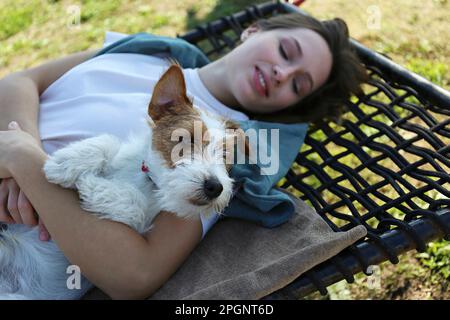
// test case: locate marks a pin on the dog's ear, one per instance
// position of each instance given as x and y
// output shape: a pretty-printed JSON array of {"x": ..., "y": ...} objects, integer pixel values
[{"x": 169, "y": 95}]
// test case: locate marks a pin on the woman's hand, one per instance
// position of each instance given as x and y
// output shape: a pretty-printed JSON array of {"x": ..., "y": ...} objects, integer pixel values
[
  {"x": 16, "y": 208},
  {"x": 12, "y": 143},
  {"x": 14, "y": 204}
]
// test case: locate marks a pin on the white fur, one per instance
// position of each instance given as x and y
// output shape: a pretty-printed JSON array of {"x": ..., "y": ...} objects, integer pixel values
[{"x": 107, "y": 174}]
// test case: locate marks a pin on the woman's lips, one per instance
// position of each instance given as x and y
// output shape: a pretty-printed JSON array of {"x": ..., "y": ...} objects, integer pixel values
[{"x": 261, "y": 91}]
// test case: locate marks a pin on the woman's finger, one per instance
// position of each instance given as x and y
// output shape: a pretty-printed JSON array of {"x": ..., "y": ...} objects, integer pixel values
[
  {"x": 26, "y": 209},
  {"x": 44, "y": 235},
  {"x": 13, "y": 197},
  {"x": 4, "y": 191}
]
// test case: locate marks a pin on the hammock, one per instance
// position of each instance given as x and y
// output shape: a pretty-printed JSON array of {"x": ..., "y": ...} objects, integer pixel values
[{"x": 394, "y": 140}]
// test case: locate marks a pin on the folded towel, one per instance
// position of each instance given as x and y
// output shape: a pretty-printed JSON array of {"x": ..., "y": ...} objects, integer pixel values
[{"x": 257, "y": 199}]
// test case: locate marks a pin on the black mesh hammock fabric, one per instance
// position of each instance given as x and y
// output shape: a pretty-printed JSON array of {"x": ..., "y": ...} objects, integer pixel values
[{"x": 386, "y": 166}]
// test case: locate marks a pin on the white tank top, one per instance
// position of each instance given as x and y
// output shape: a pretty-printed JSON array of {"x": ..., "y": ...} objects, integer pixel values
[{"x": 110, "y": 94}]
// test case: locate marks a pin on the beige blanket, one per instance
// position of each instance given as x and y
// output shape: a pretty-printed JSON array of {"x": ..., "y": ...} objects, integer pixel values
[{"x": 241, "y": 260}]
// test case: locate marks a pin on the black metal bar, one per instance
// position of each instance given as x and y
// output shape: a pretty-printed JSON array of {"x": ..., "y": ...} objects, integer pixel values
[
  {"x": 397, "y": 73},
  {"x": 219, "y": 25},
  {"x": 397, "y": 239}
]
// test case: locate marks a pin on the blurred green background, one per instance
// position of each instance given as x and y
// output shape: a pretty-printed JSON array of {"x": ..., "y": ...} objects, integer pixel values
[{"x": 415, "y": 34}]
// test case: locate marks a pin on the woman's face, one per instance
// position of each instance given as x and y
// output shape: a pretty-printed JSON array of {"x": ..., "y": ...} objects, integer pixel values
[{"x": 292, "y": 63}]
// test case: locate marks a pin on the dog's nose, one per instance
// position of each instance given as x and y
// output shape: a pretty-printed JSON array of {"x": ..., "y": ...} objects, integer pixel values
[{"x": 212, "y": 188}]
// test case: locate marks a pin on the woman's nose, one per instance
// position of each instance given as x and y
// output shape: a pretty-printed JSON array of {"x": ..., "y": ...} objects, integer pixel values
[{"x": 281, "y": 74}]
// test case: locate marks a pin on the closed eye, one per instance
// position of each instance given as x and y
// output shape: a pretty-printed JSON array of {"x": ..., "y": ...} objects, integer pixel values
[
  {"x": 284, "y": 55},
  {"x": 295, "y": 86},
  {"x": 283, "y": 52}
]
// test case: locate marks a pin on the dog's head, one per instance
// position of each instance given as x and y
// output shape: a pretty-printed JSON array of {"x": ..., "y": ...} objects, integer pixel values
[{"x": 196, "y": 149}]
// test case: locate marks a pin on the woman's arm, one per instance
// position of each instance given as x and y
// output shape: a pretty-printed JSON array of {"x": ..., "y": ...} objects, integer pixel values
[
  {"x": 19, "y": 101},
  {"x": 111, "y": 255},
  {"x": 20, "y": 91}
]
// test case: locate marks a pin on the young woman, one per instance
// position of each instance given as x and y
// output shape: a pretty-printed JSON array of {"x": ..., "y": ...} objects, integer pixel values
[{"x": 308, "y": 70}]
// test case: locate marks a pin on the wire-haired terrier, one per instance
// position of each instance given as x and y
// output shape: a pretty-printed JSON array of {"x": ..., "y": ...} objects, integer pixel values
[{"x": 180, "y": 165}]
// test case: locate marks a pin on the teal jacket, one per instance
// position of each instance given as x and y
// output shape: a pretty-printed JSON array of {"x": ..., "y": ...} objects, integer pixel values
[{"x": 256, "y": 199}]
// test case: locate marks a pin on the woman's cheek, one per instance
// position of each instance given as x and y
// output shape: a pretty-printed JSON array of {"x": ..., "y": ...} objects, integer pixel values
[
  {"x": 280, "y": 101},
  {"x": 243, "y": 94},
  {"x": 288, "y": 98}
]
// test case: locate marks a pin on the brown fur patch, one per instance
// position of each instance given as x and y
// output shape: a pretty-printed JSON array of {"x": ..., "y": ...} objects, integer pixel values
[
  {"x": 169, "y": 95},
  {"x": 171, "y": 109},
  {"x": 162, "y": 132}
]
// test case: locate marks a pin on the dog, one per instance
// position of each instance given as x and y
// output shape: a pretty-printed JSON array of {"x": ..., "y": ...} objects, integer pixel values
[{"x": 166, "y": 168}]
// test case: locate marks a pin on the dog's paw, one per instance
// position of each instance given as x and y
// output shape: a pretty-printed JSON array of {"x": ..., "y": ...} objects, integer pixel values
[
  {"x": 59, "y": 171},
  {"x": 113, "y": 200},
  {"x": 66, "y": 165}
]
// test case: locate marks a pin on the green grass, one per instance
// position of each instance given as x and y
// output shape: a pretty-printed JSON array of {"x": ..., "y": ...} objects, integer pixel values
[
  {"x": 14, "y": 18},
  {"x": 97, "y": 10},
  {"x": 437, "y": 259},
  {"x": 436, "y": 72}
]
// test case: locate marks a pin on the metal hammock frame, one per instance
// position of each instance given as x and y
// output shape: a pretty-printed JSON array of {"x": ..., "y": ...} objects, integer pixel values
[{"x": 394, "y": 140}]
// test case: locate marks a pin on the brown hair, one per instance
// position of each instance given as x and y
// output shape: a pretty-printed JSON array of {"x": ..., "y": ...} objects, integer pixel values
[{"x": 346, "y": 76}]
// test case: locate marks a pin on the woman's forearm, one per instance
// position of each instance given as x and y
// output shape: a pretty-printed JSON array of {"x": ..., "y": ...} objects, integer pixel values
[
  {"x": 109, "y": 254},
  {"x": 19, "y": 101},
  {"x": 20, "y": 91}
]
